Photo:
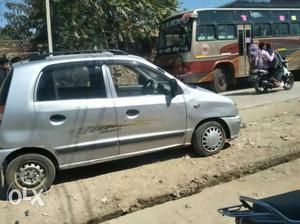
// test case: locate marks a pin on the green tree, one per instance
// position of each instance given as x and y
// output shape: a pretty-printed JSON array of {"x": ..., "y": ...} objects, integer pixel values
[{"x": 87, "y": 24}]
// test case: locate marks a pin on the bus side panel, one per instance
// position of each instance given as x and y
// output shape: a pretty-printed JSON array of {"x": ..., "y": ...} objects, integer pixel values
[{"x": 202, "y": 70}]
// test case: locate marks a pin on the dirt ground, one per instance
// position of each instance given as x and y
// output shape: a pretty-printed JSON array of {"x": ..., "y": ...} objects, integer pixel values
[
  {"x": 202, "y": 207},
  {"x": 94, "y": 194}
]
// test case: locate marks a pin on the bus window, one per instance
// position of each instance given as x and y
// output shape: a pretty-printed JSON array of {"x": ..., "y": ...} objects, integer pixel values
[
  {"x": 295, "y": 28},
  {"x": 226, "y": 32},
  {"x": 266, "y": 30},
  {"x": 205, "y": 17},
  {"x": 261, "y": 30},
  {"x": 172, "y": 40},
  {"x": 279, "y": 16},
  {"x": 294, "y": 16},
  {"x": 260, "y": 15},
  {"x": 224, "y": 16},
  {"x": 206, "y": 33},
  {"x": 242, "y": 16},
  {"x": 280, "y": 29}
]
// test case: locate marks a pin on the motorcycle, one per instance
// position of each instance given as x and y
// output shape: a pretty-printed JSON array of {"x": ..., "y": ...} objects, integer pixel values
[
  {"x": 264, "y": 80},
  {"x": 280, "y": 209}
]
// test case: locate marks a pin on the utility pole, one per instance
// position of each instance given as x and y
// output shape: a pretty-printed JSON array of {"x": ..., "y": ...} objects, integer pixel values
[{"x": 49, "y": 31}]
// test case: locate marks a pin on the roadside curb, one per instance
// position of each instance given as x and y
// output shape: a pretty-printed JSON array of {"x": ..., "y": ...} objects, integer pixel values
[
  {"x": 268, "y": 103},
  {"x": 198, "y": 184}
]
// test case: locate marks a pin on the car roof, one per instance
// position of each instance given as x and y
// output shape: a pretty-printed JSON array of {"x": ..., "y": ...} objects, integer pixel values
[{"x": 57, "y": 59}]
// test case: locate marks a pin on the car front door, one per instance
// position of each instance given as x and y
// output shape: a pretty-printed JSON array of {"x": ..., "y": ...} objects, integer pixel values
[
  {"x": 75, "y": 112},
  {"x": 149, "y": 118}
]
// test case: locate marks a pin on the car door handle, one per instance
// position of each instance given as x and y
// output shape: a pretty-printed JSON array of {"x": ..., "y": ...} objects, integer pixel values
[
  {"x": 131, "y": 114},
  {"x": 57, "y": 119},
  {"x": 196, "y": 106}
]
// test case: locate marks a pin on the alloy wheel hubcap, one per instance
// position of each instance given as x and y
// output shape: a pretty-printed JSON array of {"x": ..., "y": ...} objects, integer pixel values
[
  {"x": 212, "y": 139},
  {"x": 30, "y": 175}
]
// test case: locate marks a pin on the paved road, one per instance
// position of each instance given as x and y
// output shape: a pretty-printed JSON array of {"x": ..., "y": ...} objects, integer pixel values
[
  {"x": 248, "y": 98},
  {"x": 202, "y": 207}
]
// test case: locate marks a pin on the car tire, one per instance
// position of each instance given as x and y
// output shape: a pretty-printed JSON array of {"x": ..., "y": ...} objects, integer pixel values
[
  {"x": 32, "y": 172},
  {"x": 220, "y": 81},
  {"x": 209, "y": 138}
]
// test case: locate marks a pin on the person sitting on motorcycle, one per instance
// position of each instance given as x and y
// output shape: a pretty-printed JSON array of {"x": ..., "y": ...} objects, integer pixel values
[
  {"x": 253, "y": 52},
  {"x": 273, "y": 64},
  {"x": 269, "y": 49},
  {"x": 264, "y": 58},
  {"x": 266, "y": 61}
]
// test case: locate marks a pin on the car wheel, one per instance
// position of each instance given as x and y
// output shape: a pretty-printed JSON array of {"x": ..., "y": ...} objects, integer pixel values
[
  {"x": 31, "y": 172},
  {"x": 220, "y": 81},
  {"x": 209, "y": 138}
]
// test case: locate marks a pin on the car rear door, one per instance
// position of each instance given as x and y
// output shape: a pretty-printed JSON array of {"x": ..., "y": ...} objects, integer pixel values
[{"x": 75, "y": 112}]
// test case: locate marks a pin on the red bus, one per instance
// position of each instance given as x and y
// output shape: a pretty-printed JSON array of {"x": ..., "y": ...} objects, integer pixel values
[{"x": 210, "y": 45}]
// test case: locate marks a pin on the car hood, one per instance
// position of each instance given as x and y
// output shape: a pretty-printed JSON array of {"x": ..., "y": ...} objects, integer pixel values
[{"x": 212, "y": 104}]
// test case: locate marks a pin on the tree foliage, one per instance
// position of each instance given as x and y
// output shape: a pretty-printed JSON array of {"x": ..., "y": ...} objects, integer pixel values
[{"x": 86, "y": 24}]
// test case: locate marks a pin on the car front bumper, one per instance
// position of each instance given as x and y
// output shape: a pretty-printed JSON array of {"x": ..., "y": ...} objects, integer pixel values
[{"x": 234, "y": 125}]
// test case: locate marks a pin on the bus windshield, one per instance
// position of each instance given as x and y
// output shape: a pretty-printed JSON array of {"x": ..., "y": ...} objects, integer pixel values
[{"x": 174, "y": 38}]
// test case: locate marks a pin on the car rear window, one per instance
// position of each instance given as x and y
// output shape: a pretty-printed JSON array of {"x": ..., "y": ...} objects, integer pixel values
[
  {"x": 5, "y": 88},
  {"x": 71, "y": 81}
]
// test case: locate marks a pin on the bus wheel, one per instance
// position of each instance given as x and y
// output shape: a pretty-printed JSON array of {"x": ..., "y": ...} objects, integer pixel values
[{"x": 220, "y": 81}]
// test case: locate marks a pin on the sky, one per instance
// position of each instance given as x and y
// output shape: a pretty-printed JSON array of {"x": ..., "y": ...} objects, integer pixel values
[
  {"x": 2, "y": 10},
  {"x": 185, "y": 4},
  {"x": 193, "y": 4}
]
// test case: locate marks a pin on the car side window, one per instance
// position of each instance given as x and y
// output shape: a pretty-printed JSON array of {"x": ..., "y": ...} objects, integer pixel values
[
  {"x": 138, "y": 80},
  {"x": 123, "y": 76},
  {"x": 71, "y": 81}
]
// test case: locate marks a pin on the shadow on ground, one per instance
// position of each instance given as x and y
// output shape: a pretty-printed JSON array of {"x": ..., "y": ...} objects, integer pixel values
[
  {"x": 124, "y": 164},
  {"x": 65, "y": 176},
  {"x": 239, "y": 86},
  {"x": 2, "y": 194},
  {"x": 243, "y": 84},
  {"x": 253, "y": 93}
]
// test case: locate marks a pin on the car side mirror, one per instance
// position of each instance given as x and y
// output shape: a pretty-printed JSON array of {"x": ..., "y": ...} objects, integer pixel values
[{"x": 174, "y": 87}]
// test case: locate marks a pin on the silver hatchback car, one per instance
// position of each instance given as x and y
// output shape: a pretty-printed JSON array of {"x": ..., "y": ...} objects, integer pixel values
[{"x": 60, "y": 112}]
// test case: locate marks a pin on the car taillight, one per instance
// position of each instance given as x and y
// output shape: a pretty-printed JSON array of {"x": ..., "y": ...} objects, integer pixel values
[{"x": 1, "y": 112}]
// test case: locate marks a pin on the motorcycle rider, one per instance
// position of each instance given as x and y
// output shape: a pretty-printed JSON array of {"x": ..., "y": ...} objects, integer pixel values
[
  {"x": 253, "y": 55},
  {"x": 269, "y": 49},
  {"x": 266, "y": 60}
]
